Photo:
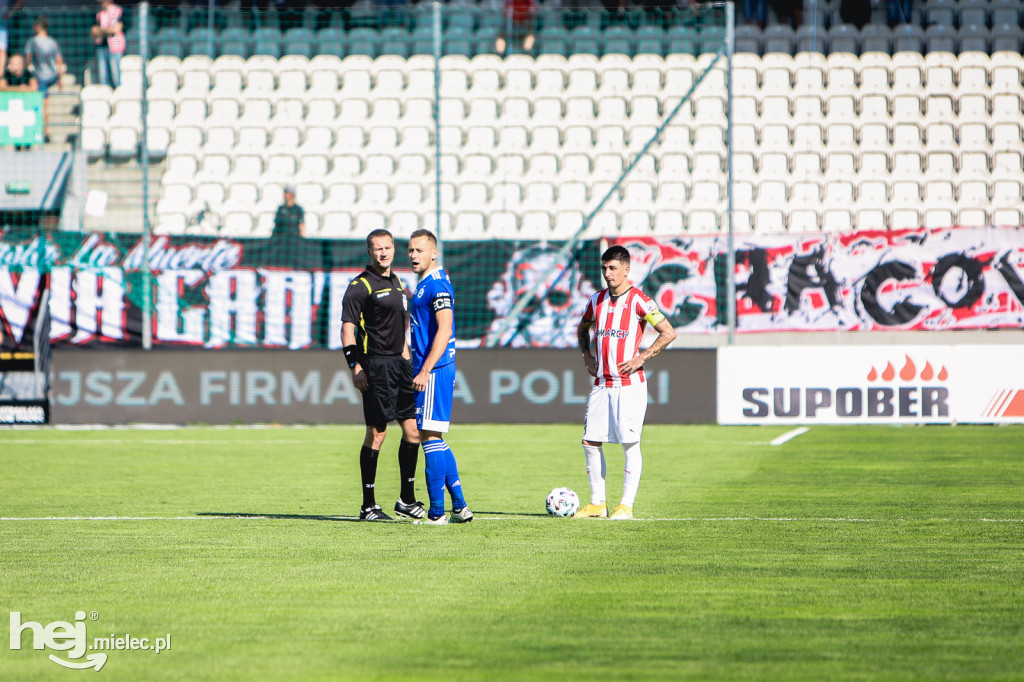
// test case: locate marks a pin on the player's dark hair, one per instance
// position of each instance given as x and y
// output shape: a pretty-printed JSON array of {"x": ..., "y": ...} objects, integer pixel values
[
  {"x": 378, "y": 233},
  {"x": 42, "y": 22},
  {"x": 424, "y": 233},
  {"x": 619, "y": 253}
]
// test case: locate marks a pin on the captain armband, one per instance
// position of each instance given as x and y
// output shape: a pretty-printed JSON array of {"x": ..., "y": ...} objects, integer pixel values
[
  {"x": 654, "y": 317},
  {"x": 441, "y": 302},
  {"x": 351, "y": 355}
]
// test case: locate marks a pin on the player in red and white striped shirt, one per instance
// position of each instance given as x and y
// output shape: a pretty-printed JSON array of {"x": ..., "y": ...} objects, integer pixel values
[{"x": 617, "y": 406}]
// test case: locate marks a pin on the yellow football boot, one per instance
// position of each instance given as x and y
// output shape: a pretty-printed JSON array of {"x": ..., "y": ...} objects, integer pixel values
[
  {"x": 622, "y": 512},
  {"x": 592, "y": 511}
]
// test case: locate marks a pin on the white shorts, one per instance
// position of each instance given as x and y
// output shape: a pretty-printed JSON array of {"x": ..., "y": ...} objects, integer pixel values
[{"x": 615, "y": 414}]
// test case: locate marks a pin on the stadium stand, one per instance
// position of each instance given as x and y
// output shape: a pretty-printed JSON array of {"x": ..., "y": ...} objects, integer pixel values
[{"x": 835, "y": 127}]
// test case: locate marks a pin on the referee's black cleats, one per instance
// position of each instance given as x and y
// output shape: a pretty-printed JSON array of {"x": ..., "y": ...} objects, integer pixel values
[
  {"x": 412, "y": 511},
  {"x": 374, "y": 513}
]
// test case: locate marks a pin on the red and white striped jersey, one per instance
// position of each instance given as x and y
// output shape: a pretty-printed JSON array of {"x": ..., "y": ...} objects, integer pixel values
[
  {"x": 618, "y": 328},
  {"x": 108, "y": 18}
]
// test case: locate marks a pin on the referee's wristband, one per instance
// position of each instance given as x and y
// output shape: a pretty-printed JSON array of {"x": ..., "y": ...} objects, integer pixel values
[{"x": 351, "y": 355}]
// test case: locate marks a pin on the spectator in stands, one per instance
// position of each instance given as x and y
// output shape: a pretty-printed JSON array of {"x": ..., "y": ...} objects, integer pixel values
[
  {"x": 855, "y": 12},
  {"x": 17, "y": 78},
  {"x": 755, "y": 12},
  {"x": 290, "y": 219},
  {"x": 900, "y": 12},
  {"x": 43, "y": 56},
  {"x": 789, "y": 12},
  {"x": 519, "y": 24},
  {"x": 6, "y": 10},
  {"x": 108, "y": 35}
]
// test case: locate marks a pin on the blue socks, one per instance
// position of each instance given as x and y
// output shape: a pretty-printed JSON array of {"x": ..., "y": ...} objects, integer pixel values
[{"x": 441, "y": 471}]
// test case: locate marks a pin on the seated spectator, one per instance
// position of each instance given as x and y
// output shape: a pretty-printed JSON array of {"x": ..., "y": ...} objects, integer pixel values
[
  {"x": 6, "y": 10},
  {"x": 17, "y": 78},
  {"x": 519, "y": 22}
]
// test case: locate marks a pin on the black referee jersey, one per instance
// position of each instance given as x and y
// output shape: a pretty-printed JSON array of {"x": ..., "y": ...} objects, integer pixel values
[{"x": 377, "y": 305}]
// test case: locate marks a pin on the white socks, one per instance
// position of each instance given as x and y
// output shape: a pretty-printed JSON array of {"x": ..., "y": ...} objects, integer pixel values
[
  {"x": 596, "y": 472},
  {"x": 631, "y": 473}
]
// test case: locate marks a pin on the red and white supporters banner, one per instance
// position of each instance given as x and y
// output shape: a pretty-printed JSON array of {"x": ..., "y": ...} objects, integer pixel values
[
  {"x": 954, "y": 278},
  {"x": 870, "y": 385}
]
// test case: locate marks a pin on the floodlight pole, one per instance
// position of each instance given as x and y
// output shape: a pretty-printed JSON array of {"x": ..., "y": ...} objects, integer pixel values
[
  {"x": 437, "y": 131},
  {"x": 147, "y": 299},
  {"x": 730, "y": 268}
]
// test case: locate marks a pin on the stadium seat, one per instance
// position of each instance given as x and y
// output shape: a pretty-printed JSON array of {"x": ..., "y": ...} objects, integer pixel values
[
  {"x": 844, "y": 38},
  {"x": 941, "y": 12},
  {"x": 1007, "y": 38},
  {"x": 875, "y": 38},
  {"x": 973, "y": 13},
  {"x": 908, "y": 38},
  {"x": 1005, "y": 12}
]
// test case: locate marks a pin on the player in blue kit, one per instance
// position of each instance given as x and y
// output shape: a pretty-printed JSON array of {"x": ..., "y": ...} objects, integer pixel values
[{"x": 433, "y": 362}]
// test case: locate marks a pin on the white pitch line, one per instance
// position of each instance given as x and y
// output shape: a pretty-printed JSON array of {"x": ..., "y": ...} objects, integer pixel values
[
  {"x": 790, "y": 435},
  {"x": 509, "y": 517}
]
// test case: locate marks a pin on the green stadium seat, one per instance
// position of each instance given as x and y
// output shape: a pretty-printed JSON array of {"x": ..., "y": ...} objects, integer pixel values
[
  {"x": 650, "y": 40},
  {"x": 423, "y": 39},
  {"x": 712, "y": 38},
  {"x": 584, "y": 39},
  {"x": 554, "y": 40},
  {"x": 461, "y": 18},
  {"x": 484, "y": 39},
  {"x": 681, "y": 40},
  {"x": 330, "y": 41},
  {"x": 362, "y": 41},
  {"x": 298, "y": 41},
  {"x": 233, "y": 41},
  {"x": 394, "y": 40},
  {"x": 170, "y": 41},
  {"x": 267, "y": 41},
  {"x": 618, "y": 40},
  {"x": 457, "y": 41},
  {"x": 199, "y": 40}
]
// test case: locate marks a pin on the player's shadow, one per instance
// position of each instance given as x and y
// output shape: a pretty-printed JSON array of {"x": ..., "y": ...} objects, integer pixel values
[
  {"x": 294, "y": 517},
  {"x": 508, "y": 514}
]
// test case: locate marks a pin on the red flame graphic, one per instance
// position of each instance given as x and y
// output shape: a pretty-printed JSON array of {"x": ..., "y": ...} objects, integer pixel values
[
  {"x": 872, "y": 375},
  {"x": 927, "y": 373},
  {"x": 889, "y": 372},
  {"x": 943, "y": 374},
  {"x": 909, "y": 370}
]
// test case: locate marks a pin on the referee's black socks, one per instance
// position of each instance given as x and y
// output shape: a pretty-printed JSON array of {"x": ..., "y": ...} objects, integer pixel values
[
  {"x": 368, "y": 469},
  {"x": 407, "y": 455}
]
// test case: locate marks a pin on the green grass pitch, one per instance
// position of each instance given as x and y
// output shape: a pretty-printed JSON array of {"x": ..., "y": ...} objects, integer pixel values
[{"x": 847, "y": 553}]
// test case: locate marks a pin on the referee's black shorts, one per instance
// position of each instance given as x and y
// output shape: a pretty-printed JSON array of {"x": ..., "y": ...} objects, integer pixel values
[{"x": 389, "y": 395}]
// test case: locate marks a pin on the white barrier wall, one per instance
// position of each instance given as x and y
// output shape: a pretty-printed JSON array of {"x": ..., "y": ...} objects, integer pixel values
[{"x": 871, "y": 385}]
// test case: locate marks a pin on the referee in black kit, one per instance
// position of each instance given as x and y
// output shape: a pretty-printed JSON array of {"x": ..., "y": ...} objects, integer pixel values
[{"x": 375, "y": 314}]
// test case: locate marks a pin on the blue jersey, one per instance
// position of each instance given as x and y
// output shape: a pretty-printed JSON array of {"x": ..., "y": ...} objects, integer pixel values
[{"x": 434, "y": 293}]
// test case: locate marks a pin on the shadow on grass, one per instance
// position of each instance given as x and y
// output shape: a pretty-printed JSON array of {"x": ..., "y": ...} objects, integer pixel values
[
  {"x": 294, "y": 517},
  {"x": 501, "y": 513},
  {"x": 322, "y": 517}
]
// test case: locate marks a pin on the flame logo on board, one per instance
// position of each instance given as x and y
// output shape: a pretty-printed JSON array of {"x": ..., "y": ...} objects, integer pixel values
[{"x": 908, "y": 372}]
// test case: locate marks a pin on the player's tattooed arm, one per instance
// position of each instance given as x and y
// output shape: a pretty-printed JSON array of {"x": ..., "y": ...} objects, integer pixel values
[
  {"x": 666, "y": 335},
  {"x": 583, "y": 337}
]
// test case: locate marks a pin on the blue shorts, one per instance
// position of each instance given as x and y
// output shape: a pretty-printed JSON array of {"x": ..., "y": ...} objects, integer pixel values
[
  {"x": 434, "y": 405},
  {"x": 45, "y": 85}
]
